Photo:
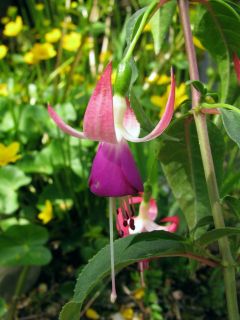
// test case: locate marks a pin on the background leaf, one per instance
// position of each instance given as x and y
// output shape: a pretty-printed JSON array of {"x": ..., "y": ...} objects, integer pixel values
[
  {"x": 182, "y": 165},
  {"x": 231, "y": 121},
  {"x": 219, "y": 21},
  {"x": 216, "y": 234},
  {"x": 127, "y": 251},
  {"x": 23, "y": 245},
  {"x": 160, "y": 24}
]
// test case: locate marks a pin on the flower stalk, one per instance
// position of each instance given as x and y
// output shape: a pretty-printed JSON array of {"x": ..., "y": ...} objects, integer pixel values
[
  {"x": 113, "y": 296},
  {"x": 209, "y": 170}
]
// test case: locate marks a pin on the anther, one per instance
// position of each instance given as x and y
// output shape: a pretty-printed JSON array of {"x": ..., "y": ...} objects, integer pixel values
[
  {"x": 131, "y": 224},
  {"x": 125, "y": 223},
  {"x": 132, "y": 210}
]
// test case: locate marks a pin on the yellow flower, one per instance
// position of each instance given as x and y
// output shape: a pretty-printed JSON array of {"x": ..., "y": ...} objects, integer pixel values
[
  {"x": 78, "y": 78},
  {"x": 5, "y": 20},
  {"x": 53, "y": 36},
  {"x": 92, "y": 314},
  {"x": 68, "y": 25},
  {"x": 3, "y": 51},
  {"x": 159, "y": 80},
  {"x": 43, "y": 51},
  {"x": 39, "y": 6},
  {"x": 46, "y": 214},
  {"x": 3, "y": 90},
  {"x": 147, "y": 28},
  {"x": 74, "y": 4},
  {"x": 29, "y": 58},
  {"x": 197, "y": 43},
  {"x": 149, "y": 47},
  {"x": 71, "y": 41},
  {"x": 13, "y": 28},
  {"x": 127, "y": 313},
  {"x": 105, "y": 56},
  {"x": 139, "y": 293},
  {"x": 9, "y": 153},
  {"x": 89, "y": 43},
  {"x": 164, "y": 79},
  {"x": 161, "y": 101}
]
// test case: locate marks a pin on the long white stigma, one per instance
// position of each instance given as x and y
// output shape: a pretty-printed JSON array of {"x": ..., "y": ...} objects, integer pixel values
[{"x": 111, "y": 211}]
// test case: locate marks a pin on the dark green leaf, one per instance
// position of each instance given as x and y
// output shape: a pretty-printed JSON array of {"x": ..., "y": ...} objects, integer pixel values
[
  {"x": 216, "y": 234},
  {"x": 231, "y": 121},
  {"x": 160, "y": 24},
  {"x": 233, "y": 204},
  {"x": 127, "y": 251},
  {"x": 182, "y": 165},
  {"x": 198, "y": 85},
  {"x": 133, "y": 24},
  {"x": 218, "y": 30},
  {"x": 23, "y": 245}
]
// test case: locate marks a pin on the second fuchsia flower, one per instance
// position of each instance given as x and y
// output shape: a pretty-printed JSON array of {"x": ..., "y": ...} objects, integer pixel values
[
  {"x": 128, "y": 224},
  {"x": 110, "y": 120}
]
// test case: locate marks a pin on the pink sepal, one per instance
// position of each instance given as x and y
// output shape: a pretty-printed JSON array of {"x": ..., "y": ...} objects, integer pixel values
[
  {"x": 63, "y": 126},
  {"x": 174, "y": 223},
  {"x": 163, "y": 123},
  {"x": 98, "y": 123},
  {"x": 130, "y": 121}
]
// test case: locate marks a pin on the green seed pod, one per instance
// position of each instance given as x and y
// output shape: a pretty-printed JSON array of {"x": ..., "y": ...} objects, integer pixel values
[{"x": 123, "y": 78}]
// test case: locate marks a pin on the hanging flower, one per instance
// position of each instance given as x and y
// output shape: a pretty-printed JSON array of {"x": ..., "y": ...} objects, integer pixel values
[
  {"x": 13, "y": 28},
  {"x": 9, "y": 153},
  {"x": 144, "y": 222},
  {"x": 46, "y": 215},
  {"x": 3, "y": 51},
  {"x": 53, "y": 36},
  {"x": 127, "y": 223},
  {"x": 110, "y": 119}
]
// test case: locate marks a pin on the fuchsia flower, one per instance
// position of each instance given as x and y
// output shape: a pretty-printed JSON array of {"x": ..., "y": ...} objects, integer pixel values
[
  {"x": 128, "y": 224},
  {"x": 144, "y": 222},
  {"x": 110, "y": 120}
]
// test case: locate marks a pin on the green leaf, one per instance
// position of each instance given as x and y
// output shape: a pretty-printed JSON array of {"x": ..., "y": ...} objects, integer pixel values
[
  {"x": 146, "y": 124},
  {"x": 231, "y": 122},
  {"x": 133, "y": 24},
  {"x": 233, "y": 204},
  {"x": 23, "y": 245},
  {"x": 214, "y": 235},
  {"x": 160, "y": 24},
  {"x": 127, "y": 251},
  {"x": 218, "y": 30},
  {"x": 182, "y": 164},
  {"x": 11, "y": 179},
  {"x": 198, "y": 85}
]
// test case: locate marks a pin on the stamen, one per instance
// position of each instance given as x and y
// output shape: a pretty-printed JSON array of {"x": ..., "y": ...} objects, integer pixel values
[
  {"x": 113, "y": 296},
  {"x": 131, "y": 224},
  {"x": 125, "y": 223}
]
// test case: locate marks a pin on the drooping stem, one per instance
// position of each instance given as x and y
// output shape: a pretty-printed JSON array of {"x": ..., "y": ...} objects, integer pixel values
[
  {"x": 111, "y": 213},
  {"x": 209, "y": 170}
]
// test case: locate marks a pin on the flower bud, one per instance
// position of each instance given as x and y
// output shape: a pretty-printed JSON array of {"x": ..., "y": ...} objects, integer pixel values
[{"x": 123, "y": 78}]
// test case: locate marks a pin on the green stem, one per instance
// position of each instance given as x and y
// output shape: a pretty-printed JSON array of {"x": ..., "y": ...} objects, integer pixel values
[
  {"x": 18, "y": 291},
  {"x": 209, "y": 170},
  {"x": 145, "y": 17},
  {"x": 220, "y": 105}
]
